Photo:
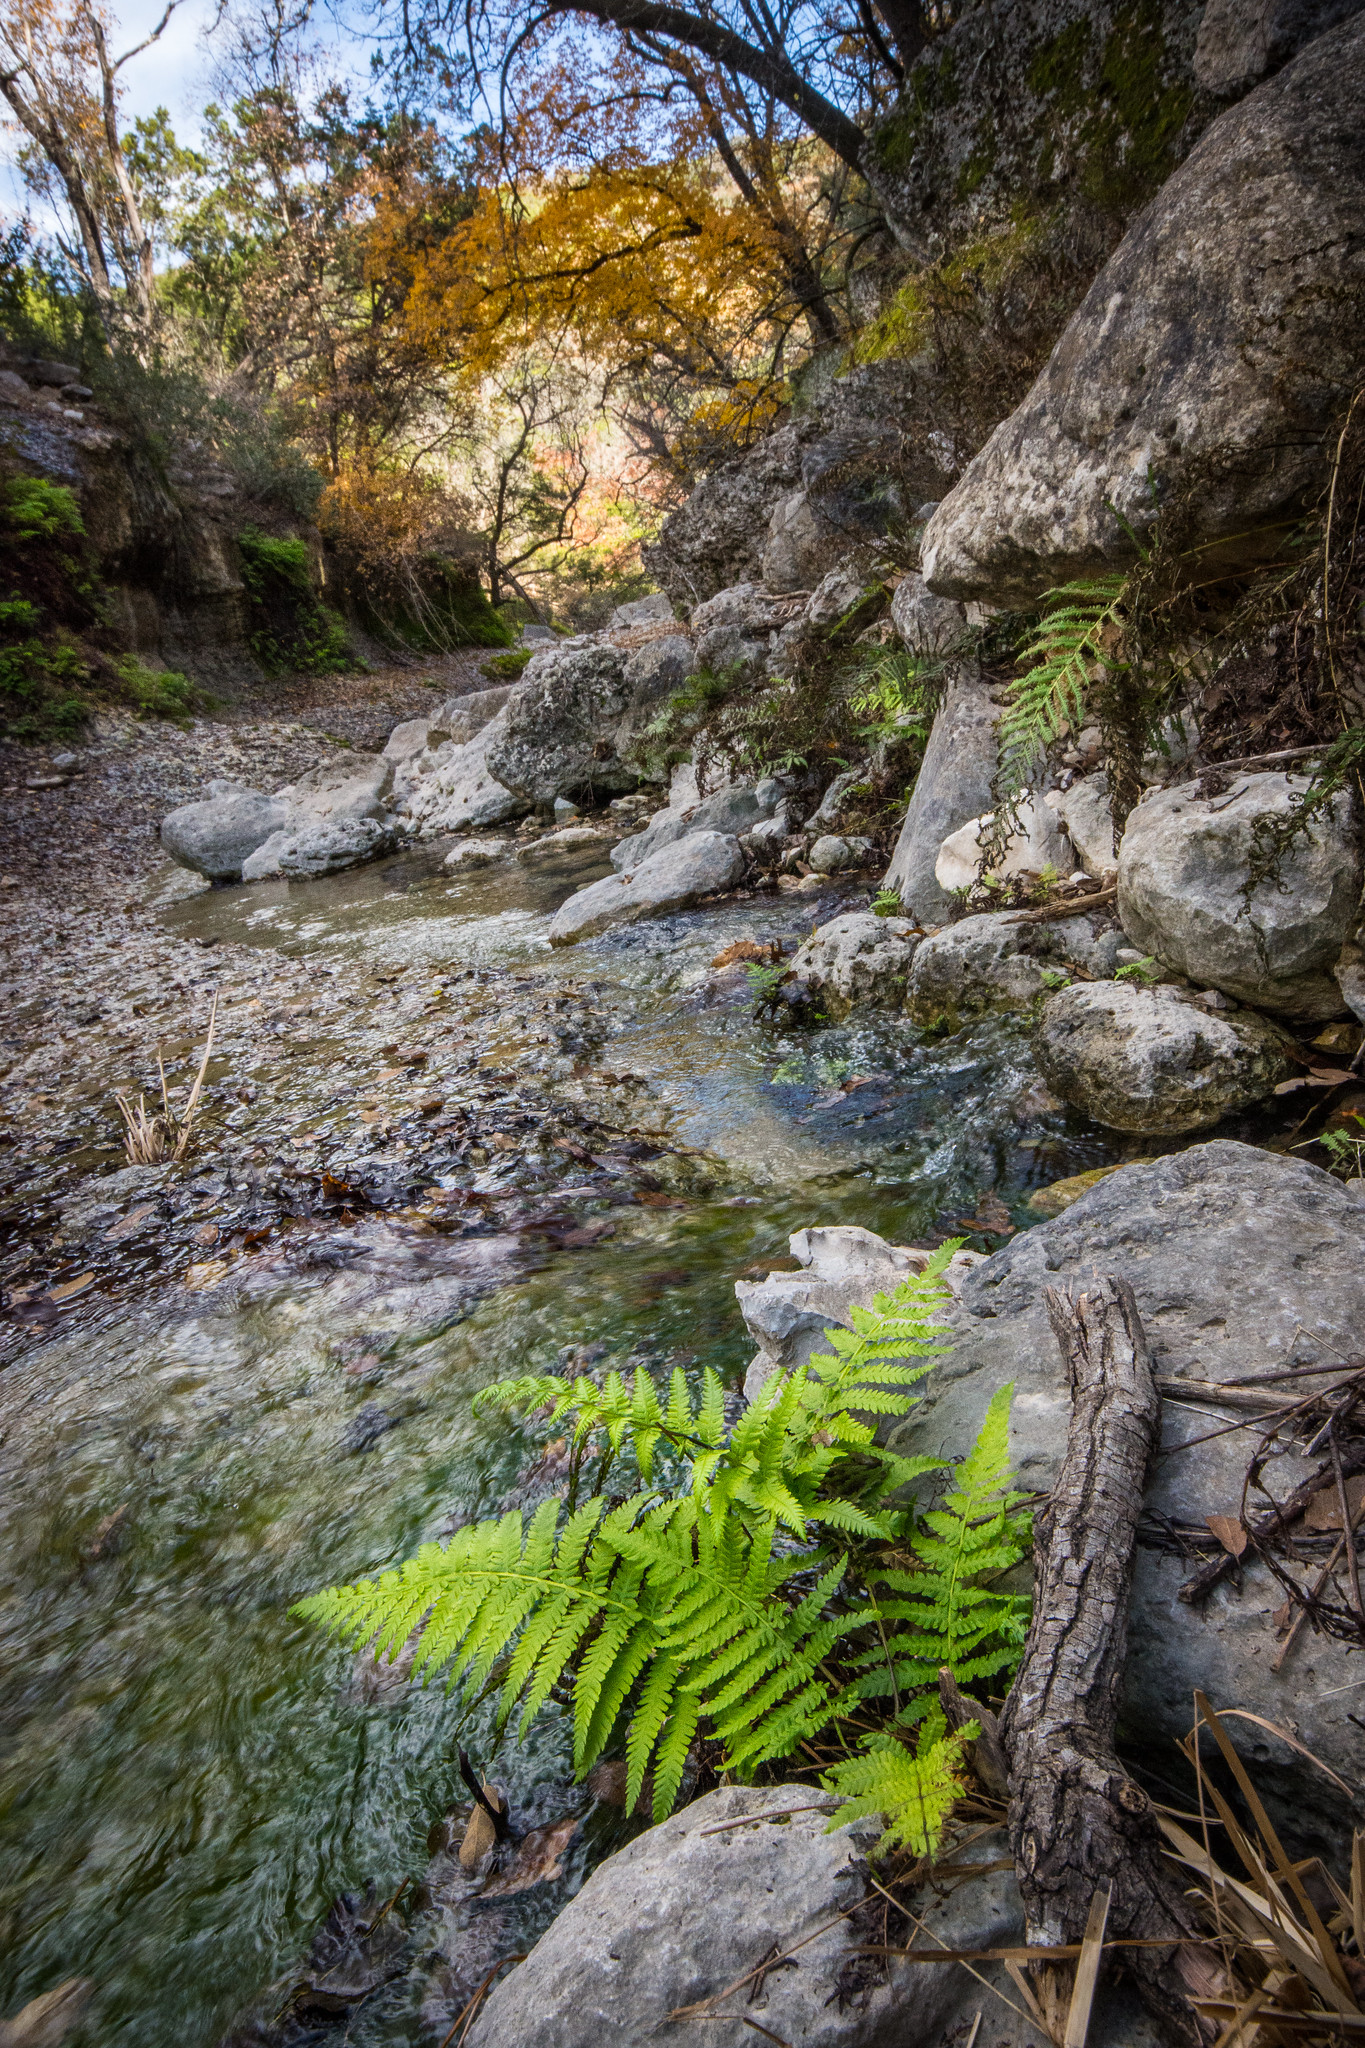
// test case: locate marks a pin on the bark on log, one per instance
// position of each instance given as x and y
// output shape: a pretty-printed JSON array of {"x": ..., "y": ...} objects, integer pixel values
[{"x": 1076, "y": 1818}]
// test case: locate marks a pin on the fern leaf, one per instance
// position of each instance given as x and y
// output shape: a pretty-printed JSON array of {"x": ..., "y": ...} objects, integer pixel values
[
  {"x": 1066, "y": 645},
  {"x": 914, "y": 1793}
]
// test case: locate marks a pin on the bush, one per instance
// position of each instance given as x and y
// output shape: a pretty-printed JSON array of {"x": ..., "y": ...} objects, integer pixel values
[
  {"x": 156, "y": 693},
  {"x": 289, "y": 627}
]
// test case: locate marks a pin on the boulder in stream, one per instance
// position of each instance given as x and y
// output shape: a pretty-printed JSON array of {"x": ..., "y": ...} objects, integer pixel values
[
  {"x": 674, "y": 878},
  {"x": 996, "y": 962},
  {"x": 859, "y": 960},
  {"x": 214, "y": 837}
]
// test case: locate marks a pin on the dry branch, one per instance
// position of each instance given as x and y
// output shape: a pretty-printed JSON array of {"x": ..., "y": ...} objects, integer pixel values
[{"x": 1077, "y": 1820}]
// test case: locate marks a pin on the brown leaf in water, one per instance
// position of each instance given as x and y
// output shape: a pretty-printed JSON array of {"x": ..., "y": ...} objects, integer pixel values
[
  {"x": 126, "y": 1225},
  {"x": 747, "y": 949},
  {"x": 652, "y": 1201},
  {"x": 67, "y": 1289},
  {"x": 1229, "y": 1532},
  {"x": 538, "y": 1859},
  {"x": 481, "y": 1835},
  {"x": 47, "y": 2020}
]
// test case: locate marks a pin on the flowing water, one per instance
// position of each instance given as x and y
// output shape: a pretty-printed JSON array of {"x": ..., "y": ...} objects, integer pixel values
[{"x": 190, "y": 1776}]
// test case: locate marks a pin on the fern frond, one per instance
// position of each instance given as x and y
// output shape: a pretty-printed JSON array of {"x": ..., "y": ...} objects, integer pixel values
[
  {"x": 913, "y": 1792},
  {"x": 1065, "y": 647}
]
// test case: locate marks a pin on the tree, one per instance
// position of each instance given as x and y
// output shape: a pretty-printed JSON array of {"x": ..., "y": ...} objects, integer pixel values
[{"x": 62, "y": 86}]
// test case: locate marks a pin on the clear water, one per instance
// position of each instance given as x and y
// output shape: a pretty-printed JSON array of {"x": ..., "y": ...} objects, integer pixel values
[{"x": 189, "y": 1777}]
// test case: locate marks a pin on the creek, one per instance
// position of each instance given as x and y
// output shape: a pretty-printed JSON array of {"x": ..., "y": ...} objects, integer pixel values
[{"x": 190, "y": 1777}]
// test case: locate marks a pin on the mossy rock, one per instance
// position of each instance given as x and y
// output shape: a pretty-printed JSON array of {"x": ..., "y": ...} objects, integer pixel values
[{"x": 1060, "y": 1194}]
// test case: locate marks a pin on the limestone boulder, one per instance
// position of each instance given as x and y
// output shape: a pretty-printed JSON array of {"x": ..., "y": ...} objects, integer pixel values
[
  {"x": 1038, "y": 842},
  {"x": 214, "y": 837},
  {"x": 1213, "y": 352},
  {"x": 349, "y": 789},
  {"x": 1241, "y": 42},
  {"x": 716, "y": 538},
  {"x": 309, "y": 847},
  {"x": 993, "y": 962},
  {"x": 460, "y": 793},
  {"x": 841, "y": 592},
  {"x": 658, "y": 668},
  {"x": 926, "y": 623},
  {"x": 1151, "y": 1060},
  {"x": 1089, "y": 823},
  {"x": 832, "y": 853},
  {"x": 463, "y": 717},
  {"x": 734, "y": 809},
  {"x": 1186, "y": 893},
  {"x": 953, "y": 785},
  {"x": 643, "y": 611},
  {"x": 857, "y": 961},
  {"x": 803, "y": 544},
  {"x": 674, "y": 878},
  {"x": 559, "y": 734},
  {"x": 477, "y": 853}
]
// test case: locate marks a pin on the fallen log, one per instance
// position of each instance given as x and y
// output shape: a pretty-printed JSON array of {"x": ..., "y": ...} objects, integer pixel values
[{"x": 1077, "y": 1821}]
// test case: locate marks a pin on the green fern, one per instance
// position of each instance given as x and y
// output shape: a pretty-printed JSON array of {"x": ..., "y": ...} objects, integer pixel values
[
  {"x": 914, "y": 1791},
  {"x": 1065, "y": 646},
  {"x": 679, "y": 1608},
  {"x": 942, "y": 1614}
]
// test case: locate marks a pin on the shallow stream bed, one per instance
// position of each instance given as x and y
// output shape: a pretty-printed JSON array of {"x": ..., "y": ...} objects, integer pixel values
[{"x": 189, "y": 1776}]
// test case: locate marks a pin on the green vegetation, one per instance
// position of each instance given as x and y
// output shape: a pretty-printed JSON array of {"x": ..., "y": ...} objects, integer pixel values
[
  {"x": 157, "y": 693},
  {"x": 38, "y": 510},
  {"x": 1142, "y": 971},
  {"x": 505, "y": 668},
  {"x": 290, "y": 628},
  {"x": 757, "y": 1582}
]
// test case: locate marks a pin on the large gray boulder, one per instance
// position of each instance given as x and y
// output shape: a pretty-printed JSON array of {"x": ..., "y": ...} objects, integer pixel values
[
  {"x": 857, "y": 961},
  {"x": 459, "y": 792},
  {"x": 992, "y": 962},
  {"x": 309, "y": 847},
  {"x": 214, "y": 837},
  {"x": 464, "y": 717},
  {"x": 926, "y": 623},
  {"x": 674, "y": 878},
  {"x": 717, "y": 537},
  {"x": 803, "y": 543},
  {"x": 681, "y": 1913},
  {"x": 655, "y": 670},
  {"x": 953, "y": 785},
  {"x": 643, "y": 611},
  {"x": 346, "y": 790},
  {"x": 1085, "y": 811},
  {"x": 1242, "y": 41},
  {"x": 560, "y": 729},
  {"x": 1213, "y": 352},
  {"x": 1242, "y": 1262},
  {"x": 734, "y": 809},
  {"x": 1185, "y": 891},
  {"x": 1152, "y": 1060}
]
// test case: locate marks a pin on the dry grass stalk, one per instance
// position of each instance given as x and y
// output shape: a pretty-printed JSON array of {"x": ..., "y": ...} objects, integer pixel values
[{"x": 150, "y": 1137}]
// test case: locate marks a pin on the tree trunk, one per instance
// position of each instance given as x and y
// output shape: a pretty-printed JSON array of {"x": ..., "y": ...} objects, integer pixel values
[{"x": 1076, "y": 1818}]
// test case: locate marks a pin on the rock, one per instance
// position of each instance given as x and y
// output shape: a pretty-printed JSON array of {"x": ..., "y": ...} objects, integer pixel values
[
  {"x": 1184, "y": 870},
  {"x": 732, "y": 810},
  {"x": 1242, "y": 1261},
  {"x": 1242, "y": 41},
  {"x": 679, "y": 1914},
  {"x": 532, "y": 635},
  {"x": 1038, "y": 843},
  {"x": 43, "y": 370},
  {"x": 465, "y": 717},
  {"x": 803, "y": 544},
  {"x": 658, "y": 668},
  {"x": 305, "y": 848},
  {"x": 13, "y": 390},
  {"x": 347, "y": 790},
  {"x": 837, "y": 594},
  {"x": 1350, "y": 971},
  {"x": 830, "y": 855},
  {"x": 953, "y": 785},
  {"x": 560, "y": 731},
  {"x": 1215, "y": 349},
  {"x": 927, "y": 624},
  {"x": 992, "y": 962},
  {"x": 1084, "y": 810},
  {"x": 857, "y": 961},
  {"x": 411, "y": 738},
  {"x": 788, "y": 1314},
  {"x": 477, "y": 853},
  {"x": 570, "y": 839},
  {"x": 643, "y": 611},
  {"x": 827, "y": 815},
  {"x": 703, "y": 864},
  {"x": 460, "y": 791},
  {"x": 216, "y": 836},
  {"x": 1060, "y": 1194},
  {"x": 717, "y": 537},
  {"x": 1149, "y": 1060}
]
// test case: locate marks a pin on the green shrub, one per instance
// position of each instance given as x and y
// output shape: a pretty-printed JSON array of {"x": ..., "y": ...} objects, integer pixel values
[
  {"x": 289, "y": 628},
  {"x": 156, "y": 693},
  {"x": 38, "y": 510},
  {"x": 505, "y": 668}
]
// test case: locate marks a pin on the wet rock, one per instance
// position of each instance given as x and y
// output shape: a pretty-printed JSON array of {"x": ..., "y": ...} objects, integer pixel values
[
  {"x": 1037, "y": 843},
  {"x": 304, "y": 850},
  {"x": 1184, "y": 891},
  {"x": 788, "y": 1314},
  {"x": 857, "y": 961},
  {"x": 461, "y": 792},
  {"x": 216, "y": 836},
  {"x": 1084, "y": 811},
  {"x": 1242, "y": 1261},
  {"x": 1060, "y": 1194},
  {"x": 926, "y": 623},
  {"x": 992, "y": 962},
  {"x": 953, "y": 785},
  {"x": 733, "y": 809},
  {"x": 477, "y": 853},
  {"x": 1150, "y": 1060},
  {"x": 703, "y": 864},
  {"x": 569, "y": 839},
  {"x": 365, "y": 1428},
  {"x": 1214, "y": 350},
  {"x": 560, "y": 731}
]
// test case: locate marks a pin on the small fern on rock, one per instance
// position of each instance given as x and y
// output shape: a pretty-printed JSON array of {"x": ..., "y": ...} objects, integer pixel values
[{"x": 729, "y": 1593}]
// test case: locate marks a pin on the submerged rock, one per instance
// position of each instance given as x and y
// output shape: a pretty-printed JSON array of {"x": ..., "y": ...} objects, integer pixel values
[
  {"x": 993, "y": 962},
  {"x": 1185, "y": 892},
  {"x": 857, "y": 959},
  {"x": 1150, "y": 1060},
  {"x": 1213, "y": 351},
  {"x": 703, "y": 864}
]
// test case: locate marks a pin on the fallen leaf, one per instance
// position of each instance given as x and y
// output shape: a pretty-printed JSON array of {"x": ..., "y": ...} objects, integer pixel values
[
  {"x": 390, "y": 1073},
  {"x": 1229, "y": 1532},
  {"x": 206, "y": 1274},
  {"x": 106, "y": 1540},
  {"x": 206, "y": 1234},
  {"x": 1329, "y": 1077},
  {"x": 538, "y": 1859},
  {"x": 652, "y": 1201},
  {"x": 126, "y": 1225},
  {"x": 747, "y": 949},
  {"x": 480, "y": 1835},
  {"x": 1324, "y": 1509},
  {"x": 67, "y": 1289}
]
